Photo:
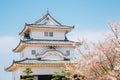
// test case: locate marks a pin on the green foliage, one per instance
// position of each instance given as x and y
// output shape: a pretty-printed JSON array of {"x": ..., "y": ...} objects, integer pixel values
[
  {"x": 27, "y": 74},
  {"x": 61, "y": 76}
]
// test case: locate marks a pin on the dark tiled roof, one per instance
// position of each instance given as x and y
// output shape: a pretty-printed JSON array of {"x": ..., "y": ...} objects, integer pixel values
[
  {"x": 65, "y": 42},
  {"x": 38, "y": 61},
  {"x": 34, "y": 61},
  {"x": 38, "y": 24},
  {"x": 49, "y": 26},
  {"x": 48, "y": 42}
]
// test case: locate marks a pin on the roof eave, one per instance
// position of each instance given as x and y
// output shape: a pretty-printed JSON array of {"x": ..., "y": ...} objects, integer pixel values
[
  {"x": 17, "y": 49},
  {"x": 11, "y": 67},
  {"x": 68, "y": 29},
  {"x": 26, "y": 28}
]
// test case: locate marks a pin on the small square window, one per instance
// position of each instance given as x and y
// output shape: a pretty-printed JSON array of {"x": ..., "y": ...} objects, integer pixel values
[
  {"x": 68, "y": 52},
  {"x": 45, "y": 33},
  {"x": 51, "y": 34},
  {"x": 33, "y": 52}
]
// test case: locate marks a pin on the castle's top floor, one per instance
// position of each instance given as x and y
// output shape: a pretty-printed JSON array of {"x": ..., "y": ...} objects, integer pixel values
[{"x": 46, "y": 28}]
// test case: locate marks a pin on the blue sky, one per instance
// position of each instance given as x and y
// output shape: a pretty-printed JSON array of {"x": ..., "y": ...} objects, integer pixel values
[{"x": 90, "y": 17}]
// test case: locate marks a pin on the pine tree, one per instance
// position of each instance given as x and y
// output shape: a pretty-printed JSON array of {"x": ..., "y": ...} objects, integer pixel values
[{"x": 27, "y": 74}]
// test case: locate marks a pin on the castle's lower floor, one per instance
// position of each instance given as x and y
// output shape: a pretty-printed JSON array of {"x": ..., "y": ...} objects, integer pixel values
[{"x": 41, "y": 70}]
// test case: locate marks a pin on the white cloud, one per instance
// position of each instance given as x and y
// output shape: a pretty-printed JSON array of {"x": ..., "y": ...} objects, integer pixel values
[
  {"x": 89, "y": 36},
  {"x": 7, "y": 43}
]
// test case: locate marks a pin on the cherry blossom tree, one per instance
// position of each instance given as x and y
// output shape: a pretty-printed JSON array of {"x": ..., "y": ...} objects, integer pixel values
[{"x": 99, "y": 61}]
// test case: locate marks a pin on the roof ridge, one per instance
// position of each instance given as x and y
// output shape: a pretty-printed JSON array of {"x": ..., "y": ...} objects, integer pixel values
[{"x": 45, "y": 16}]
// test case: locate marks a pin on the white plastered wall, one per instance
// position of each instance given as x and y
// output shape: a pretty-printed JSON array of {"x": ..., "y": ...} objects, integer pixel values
[
  {"x": 36, "y": 71},
  {"x": 57, "y": 35},
  {"x": 26, "y": 53},
  {"x": 16, "y": 74},
  {"x": 64, "y": 49}
]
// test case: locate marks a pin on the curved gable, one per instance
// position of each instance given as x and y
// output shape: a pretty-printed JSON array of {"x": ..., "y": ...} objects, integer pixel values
[{"x": 51, "y": 55}]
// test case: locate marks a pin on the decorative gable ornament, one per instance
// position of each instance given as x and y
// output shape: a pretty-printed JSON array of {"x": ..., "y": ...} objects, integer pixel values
[{"x": 52, "y": 54}]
